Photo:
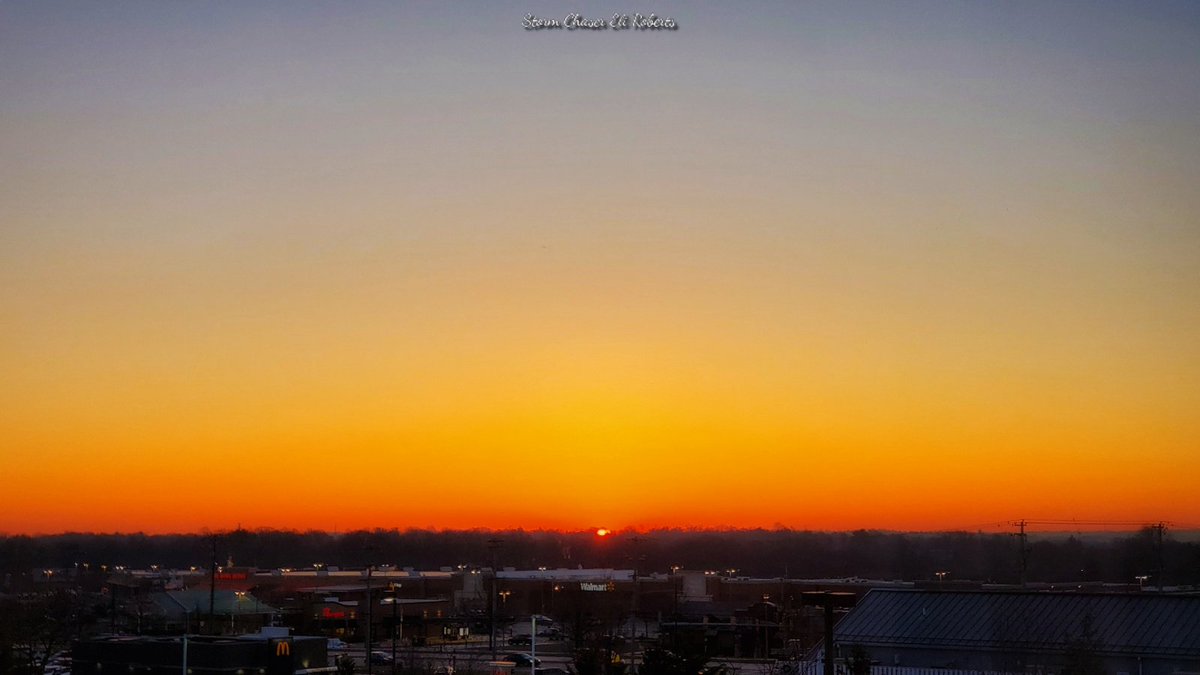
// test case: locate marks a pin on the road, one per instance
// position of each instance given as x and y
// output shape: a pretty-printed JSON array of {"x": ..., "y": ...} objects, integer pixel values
[{"x": 449, "y": 658}]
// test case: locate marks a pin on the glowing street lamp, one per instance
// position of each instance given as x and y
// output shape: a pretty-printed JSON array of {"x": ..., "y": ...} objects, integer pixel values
[
  {"x": 394, "y": 600},
  {"x": 235, "y": 610}
]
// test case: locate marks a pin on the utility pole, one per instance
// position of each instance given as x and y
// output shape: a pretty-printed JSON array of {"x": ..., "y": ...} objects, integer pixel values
[
  {"x": 370, "y": 552},
  {"x": 112, "y": 610},
  {"x": 635, "y": 604},
  {"x": 827, "y": 601},
  {"x": 1160, "y": 530},
  {"x": 1023, "y": 541}
]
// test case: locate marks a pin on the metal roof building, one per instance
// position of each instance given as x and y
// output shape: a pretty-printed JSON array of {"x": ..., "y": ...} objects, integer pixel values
[{"x": 1144, "y": 634}]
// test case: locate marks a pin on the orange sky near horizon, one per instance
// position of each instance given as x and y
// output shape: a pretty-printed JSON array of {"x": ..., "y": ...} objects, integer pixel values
[{"x": 381, "y": 266}]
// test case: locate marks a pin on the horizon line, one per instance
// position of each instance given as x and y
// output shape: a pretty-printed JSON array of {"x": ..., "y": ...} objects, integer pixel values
[{"x": 1122, "y": 527}]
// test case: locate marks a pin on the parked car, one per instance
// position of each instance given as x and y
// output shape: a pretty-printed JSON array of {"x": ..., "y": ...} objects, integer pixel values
[
  {"x": 59, "y": 664},
  {"x": 522, "y": 659},
  {"x": 520, "y": 640},
  {"x": 380, "y": 658},
  {"x": 336, "y": 645}
]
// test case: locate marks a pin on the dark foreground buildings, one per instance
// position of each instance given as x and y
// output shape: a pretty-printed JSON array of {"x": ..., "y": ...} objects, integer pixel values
[
  {"x": 1025, "y": 632},
  {"x": 245, "y": 655}
]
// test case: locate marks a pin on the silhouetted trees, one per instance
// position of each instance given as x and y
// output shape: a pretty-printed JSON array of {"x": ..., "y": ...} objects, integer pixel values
[
  {"x": 36, "y": 626},
  {"x": 1082, "y": 657},
  {"x": 990, "y": 557},
  {"x": 859, "y": 661}
]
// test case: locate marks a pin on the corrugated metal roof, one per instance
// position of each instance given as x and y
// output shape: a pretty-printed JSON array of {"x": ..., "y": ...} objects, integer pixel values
[
  {"x": 1132, "y": 624},
  {"x": 195, "y": 601}
]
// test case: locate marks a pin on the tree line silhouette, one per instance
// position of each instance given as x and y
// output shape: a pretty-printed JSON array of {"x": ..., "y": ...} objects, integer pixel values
[{"x": 979, "y": 556}]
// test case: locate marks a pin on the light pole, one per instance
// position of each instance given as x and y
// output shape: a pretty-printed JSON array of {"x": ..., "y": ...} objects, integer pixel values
[
  {"x": 237, "y": 609},
  {"x": 533, "y": 644},
  {"x": 367, "y": 641},
  {"x": 941, "y": 575},
  {"x": 187, "y": 626},
  {"x": 675, "y": 595},
  {"x": 395, "y": 601},
  {"x": 503, "y": 612},
  {"x": 492, "y": 545}
]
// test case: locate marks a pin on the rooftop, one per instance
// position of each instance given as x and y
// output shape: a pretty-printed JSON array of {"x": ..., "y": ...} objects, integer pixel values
[{"x": 1129, "y": 624}]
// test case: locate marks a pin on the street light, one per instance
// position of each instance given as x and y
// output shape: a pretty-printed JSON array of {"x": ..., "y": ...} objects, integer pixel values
[
  {"x": 235, "y": 610},
  {"x": 533, "y": 644},
  {"x": 395, "y": 588},
  {"x": 370, "y": 617},
  {"x": 187, "y": 629},
  {"x": 941, "y": 575},
  {"x": 492, "y": 545}
]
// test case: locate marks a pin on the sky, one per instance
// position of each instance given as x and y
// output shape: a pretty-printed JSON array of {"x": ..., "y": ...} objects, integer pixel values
[{"x": 820, "y": 265}]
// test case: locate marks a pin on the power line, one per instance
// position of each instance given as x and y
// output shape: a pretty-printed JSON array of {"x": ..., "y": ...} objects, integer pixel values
[{"x": 1022, "y": 535}]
